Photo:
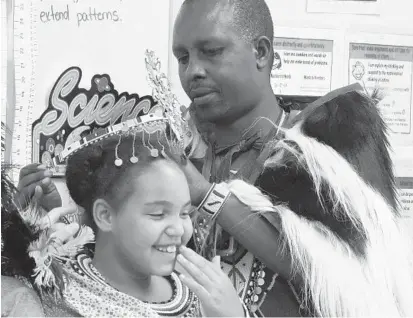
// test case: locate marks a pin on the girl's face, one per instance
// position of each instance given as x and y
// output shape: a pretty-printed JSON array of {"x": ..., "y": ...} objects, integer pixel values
[{"x": 154, "y": 221}]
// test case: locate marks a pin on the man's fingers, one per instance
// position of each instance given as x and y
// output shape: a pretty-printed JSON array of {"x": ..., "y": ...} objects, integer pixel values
[
  {"x": 38, "y": 193},
  {"x": 23, "y": 197},
  {"x": 33, "y": 167},
  {"x": 32, "y": 191},
  {"x": 45, "y": 183},
  {"x": 200, "y": 291},
  {"x": 33, "y": 177},
  {"x": 48, "y": 186},
  {"x": 177, "y": 158},
  {"x": 54, "y": 215}
]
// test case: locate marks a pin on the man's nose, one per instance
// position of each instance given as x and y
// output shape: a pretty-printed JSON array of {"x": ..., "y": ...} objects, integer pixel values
[{"x": 195, "y": 69}]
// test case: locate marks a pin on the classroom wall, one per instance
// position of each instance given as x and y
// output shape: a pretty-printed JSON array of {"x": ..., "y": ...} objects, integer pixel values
[{"x": 393, "y": 19}]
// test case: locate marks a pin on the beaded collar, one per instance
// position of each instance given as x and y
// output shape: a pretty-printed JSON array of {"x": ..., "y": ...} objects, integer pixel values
[{"x": 90, "y": 294}]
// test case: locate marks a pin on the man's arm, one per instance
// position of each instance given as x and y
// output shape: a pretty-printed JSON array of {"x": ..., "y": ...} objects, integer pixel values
[{"x": 257, "y": 233}]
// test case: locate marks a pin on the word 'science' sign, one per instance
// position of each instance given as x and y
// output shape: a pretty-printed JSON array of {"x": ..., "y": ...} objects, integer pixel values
[{"x": 73, "y": 111}]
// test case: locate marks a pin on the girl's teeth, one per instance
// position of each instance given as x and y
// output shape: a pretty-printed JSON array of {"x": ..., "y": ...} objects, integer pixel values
[{"x": 169, "y": 249}]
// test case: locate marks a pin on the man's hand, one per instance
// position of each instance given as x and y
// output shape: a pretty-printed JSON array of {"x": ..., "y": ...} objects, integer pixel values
[
  {"x": 198, "y": 185},
  {"x": 35, "y": 181},
  {"x": 212, "y": 286}
]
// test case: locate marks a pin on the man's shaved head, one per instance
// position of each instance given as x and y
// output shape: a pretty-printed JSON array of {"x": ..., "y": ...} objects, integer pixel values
[{"x": 252, "y": 18}]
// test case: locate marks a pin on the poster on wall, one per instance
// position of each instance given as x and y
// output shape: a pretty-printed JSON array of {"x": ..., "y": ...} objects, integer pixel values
[
  {"x": 303, "y": 62},
  {"x": 403, "y": 171},
  {"x": 404, "y": 184},
  {"x": 302, "y": 66},
  {"x": 371, "y": 7},
  {"x": 388, "y": 68}
]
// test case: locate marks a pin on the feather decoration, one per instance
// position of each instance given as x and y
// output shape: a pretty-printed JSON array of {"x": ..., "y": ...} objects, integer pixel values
[
  {"x": 33, "y": 214},
  {"x": 31, "y": 253},
  {"x": 48, "y": 250}
]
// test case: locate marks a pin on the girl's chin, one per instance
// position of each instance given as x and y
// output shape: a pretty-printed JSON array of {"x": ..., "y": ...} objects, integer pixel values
[
  {"x": 164, "y": 266},
  {"x": 164, "y": 270}
]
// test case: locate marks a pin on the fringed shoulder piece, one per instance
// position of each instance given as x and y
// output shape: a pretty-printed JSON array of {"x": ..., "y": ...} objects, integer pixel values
[
  {"x": 325, "y": 99},
  {"x": 333, "y": 171}
]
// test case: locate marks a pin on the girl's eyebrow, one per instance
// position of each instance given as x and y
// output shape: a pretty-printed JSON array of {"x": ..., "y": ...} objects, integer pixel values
[
  {"x": 165, "y": 203},
  {"x": 159, "y": 202}
]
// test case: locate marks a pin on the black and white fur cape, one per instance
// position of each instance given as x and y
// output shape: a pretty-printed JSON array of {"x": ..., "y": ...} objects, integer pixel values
[{"x": 330, "y": 181}]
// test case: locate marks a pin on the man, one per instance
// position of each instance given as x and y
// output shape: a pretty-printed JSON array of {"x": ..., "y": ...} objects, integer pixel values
[
  {"x": 316, "y": 253},
  {"x": 225, "y": 55}
]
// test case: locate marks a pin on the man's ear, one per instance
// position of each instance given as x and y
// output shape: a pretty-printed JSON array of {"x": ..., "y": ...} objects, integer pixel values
[
  {"x": 263, "y": 52},
  {"x": 103, "y": 215}
]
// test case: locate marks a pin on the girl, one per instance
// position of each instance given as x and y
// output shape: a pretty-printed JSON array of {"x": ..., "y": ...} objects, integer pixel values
[
  {"x": 140, "y": 211},
  {"x": 141, "y": 216}
]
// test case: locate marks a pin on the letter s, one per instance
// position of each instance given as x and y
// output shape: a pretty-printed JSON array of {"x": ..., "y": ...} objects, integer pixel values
[{"x": 63, "y": 87}]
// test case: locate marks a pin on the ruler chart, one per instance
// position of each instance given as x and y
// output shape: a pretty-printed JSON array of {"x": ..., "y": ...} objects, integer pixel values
[
  {"x": 25, "y": 55},
  {"x": 3, "y": 93}
]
